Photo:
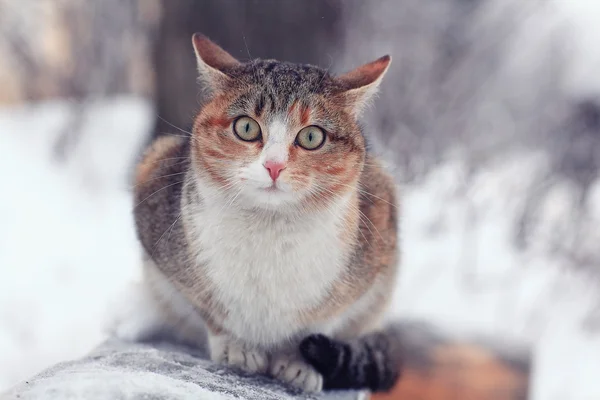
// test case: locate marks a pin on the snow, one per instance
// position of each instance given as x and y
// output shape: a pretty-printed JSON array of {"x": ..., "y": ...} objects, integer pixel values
[
  {"x": 67, "y": 243},
  {"x": 586, "y": 59}
]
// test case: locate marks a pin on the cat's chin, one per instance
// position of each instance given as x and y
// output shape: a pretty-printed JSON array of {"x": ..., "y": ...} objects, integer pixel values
[{"x": 271, "y": 198}]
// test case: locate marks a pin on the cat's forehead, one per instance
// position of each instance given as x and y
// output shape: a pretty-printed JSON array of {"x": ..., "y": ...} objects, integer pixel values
[
  {"x": 269, "y": 87},
  {"x": 285, "y": 78}
]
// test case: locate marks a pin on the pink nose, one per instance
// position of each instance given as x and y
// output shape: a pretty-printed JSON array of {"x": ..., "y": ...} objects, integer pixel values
[{"x": 274, "y": 169}]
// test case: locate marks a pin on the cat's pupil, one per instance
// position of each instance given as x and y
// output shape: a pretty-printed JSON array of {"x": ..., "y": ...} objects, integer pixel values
[
  {"x": 247, "y": 127},
  {"x": 310, "y": 137}
]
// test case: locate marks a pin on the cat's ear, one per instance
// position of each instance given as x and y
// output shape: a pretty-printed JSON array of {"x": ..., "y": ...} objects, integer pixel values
[
  {"x": 362, "y": 83},
  {"x": 212, "y": 61}
]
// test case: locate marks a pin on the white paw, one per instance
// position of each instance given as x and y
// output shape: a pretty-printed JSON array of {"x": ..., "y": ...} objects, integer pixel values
[
  {"x": 292, "y": 369},
  {"x": 226, "y": 351}
]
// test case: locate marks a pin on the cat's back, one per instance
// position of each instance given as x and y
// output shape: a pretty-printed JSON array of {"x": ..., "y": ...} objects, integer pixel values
[
  {"x": 379, "y": 210},
  {"x": 159, "y": 181}
]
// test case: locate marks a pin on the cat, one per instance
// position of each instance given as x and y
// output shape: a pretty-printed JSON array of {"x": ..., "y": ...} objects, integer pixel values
[{"x": 270, "y": 221}]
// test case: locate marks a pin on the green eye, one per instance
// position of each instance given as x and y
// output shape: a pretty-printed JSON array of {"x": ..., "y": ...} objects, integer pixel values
[
  {"x": 246, "y": 129},
  {"x": 311, "y": 137}
]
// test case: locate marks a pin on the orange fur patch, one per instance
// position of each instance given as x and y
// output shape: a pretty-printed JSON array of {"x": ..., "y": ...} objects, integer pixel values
[
  {"x": 214, "y": 154},
  {"x": 220, "y": 122},
  {"x": 215, "y": 146},
  {"x": 159, "y": 150},
  {"x": 212, "y": 171},
  {"x": 305, "y": 115},
  {"x": 292, "y": 109}
]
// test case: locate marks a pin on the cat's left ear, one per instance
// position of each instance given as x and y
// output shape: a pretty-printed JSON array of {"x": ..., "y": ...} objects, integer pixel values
[
  {"x": 213, "y": 62},
  {"x": 362, "y": 83}
]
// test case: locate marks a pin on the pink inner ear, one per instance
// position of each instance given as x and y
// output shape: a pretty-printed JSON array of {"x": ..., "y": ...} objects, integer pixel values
[
  {"x": 366, "y": 74},
  {"x": 211, "y": 54}
]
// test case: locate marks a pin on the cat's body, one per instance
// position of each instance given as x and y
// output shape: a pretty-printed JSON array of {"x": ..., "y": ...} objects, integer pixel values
[{"x": 270, "y": 222}]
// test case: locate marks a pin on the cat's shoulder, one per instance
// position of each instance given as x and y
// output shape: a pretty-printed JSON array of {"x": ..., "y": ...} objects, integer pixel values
[
  {"x": 161, "y": 154},
  {"x": 159, "y": 180},
  {"x": 377, "y": 181},
  {"x": 378, "y": 199}
]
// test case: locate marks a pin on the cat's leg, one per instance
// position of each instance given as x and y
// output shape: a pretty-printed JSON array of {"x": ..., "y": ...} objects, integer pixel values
[
  {"x": 228, "y": 351},
  {"x": 289, "y": 366},
  {"x": 369, "y": 362}
]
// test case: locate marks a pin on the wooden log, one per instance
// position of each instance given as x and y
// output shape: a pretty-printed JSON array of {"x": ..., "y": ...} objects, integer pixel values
[
  {"x": 119, "y": 370},
  {"x": 438, "y": 366}
]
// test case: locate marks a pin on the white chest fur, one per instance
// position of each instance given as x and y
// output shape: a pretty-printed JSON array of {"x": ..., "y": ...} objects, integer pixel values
[{"x": 266, "y": 269}]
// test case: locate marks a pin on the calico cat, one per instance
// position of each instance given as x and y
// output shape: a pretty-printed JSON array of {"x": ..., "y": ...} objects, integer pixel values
[{"x": 270, "y": 221}]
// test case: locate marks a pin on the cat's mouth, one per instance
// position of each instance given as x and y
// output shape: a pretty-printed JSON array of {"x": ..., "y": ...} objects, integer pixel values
[
  {"x": 273, "y": 196},
  {"x": 272, "y": 189}
]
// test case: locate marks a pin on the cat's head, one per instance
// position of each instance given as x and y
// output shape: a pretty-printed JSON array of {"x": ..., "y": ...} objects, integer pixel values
[{"x": 278, "y": 135}]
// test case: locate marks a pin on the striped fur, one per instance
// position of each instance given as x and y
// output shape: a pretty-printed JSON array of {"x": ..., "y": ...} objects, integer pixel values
[{"x": 371, "y": 362}]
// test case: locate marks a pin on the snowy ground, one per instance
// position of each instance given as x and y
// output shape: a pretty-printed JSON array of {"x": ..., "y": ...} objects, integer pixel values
[
  {"x": 67, "y": 247},
  {"x": 67, "y": 243},
  {"x": 461, "y": 270}
]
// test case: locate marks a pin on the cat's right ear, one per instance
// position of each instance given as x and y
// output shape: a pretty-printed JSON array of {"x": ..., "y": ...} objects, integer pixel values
[
  {"x": 213, "y": 62},
  {"x": 362, "y": 83}
]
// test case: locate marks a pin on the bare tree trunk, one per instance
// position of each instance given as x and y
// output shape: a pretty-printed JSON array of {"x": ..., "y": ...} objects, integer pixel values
[{"x": 298, "y": 31}]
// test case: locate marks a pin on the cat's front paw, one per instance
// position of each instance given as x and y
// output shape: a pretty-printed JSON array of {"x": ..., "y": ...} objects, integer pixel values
[
  {"x": 290, "y": 368},
  {"x": 230, "y": 352}
]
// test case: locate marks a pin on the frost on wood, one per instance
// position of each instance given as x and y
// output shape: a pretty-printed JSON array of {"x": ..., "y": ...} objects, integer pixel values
[{"x": 120, "y": 370}]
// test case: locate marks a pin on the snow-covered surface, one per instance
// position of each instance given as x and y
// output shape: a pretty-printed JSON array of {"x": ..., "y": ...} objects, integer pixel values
[
  {"x": 137, "y": 371},
  {"x": 67, "y": 248},
  {"x": 67, "y": 243}
]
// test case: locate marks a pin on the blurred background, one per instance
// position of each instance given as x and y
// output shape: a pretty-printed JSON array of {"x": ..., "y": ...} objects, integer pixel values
[{"x": 489, "y": 119}]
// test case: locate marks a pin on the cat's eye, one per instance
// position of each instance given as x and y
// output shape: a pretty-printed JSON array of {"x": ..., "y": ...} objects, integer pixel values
[
  {"x": 246, "y": 129},
  {"x": 311, "y": 137}
]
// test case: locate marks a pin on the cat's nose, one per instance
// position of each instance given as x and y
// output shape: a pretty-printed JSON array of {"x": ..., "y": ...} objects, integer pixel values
[{"x": 274, "y": 169}]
